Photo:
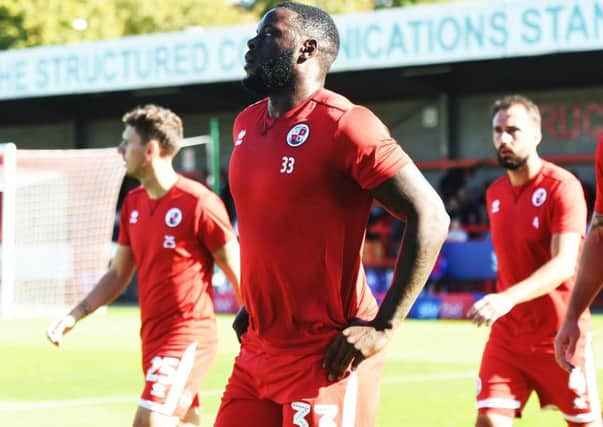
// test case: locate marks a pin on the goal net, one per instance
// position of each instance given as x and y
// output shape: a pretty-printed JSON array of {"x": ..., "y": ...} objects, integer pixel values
[{"x": 58, "y": 213}]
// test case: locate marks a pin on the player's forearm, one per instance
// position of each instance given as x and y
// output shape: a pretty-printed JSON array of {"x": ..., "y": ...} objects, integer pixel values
[
  {"x": 419, "y": 249},
  {"x": 228, "y": 259},
  {"x": 590, "y": 272},
  {"x": 233, "y": 276},
  {"x": 542, "y": 281},
  {"x": 106, "y": 290}
]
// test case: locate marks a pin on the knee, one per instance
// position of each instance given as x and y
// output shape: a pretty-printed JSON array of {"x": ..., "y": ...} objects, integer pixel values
[
  {"x": 147, "y": 418},
  {"x": 141, "y": 419},
  {"x": 484, "y": 420},
  {"x": 491, "y": 419}
]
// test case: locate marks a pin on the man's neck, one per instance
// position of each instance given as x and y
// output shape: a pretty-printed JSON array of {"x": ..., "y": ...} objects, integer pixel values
[
  {"x": 525, "y": 173},
  {"x": 160, "y": 180},
  {"x": 280, "y": 103}
]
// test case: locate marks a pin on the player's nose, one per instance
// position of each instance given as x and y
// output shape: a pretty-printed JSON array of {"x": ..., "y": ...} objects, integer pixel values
[{"x": 506, "y": 138}]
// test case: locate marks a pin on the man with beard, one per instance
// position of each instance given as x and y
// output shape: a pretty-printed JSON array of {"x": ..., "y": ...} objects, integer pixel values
[
  {"x": 537, "y": 216},
  {"x": 305, "y": 168}
]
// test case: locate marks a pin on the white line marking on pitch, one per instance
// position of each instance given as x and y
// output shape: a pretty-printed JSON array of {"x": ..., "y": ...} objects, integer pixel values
[
  {"x": 88, "y": 401},
  {"x": 429, "y": 377}
]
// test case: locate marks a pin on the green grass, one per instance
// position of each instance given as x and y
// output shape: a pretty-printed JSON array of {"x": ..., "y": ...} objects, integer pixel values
[{"x": 429, "y": 377}]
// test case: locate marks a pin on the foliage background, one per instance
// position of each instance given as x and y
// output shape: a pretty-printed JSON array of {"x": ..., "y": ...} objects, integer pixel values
[{"x": 42, "y": 22}]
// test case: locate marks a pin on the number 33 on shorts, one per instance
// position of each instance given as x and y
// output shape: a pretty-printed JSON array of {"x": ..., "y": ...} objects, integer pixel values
[{"x": 326, "y": 414}]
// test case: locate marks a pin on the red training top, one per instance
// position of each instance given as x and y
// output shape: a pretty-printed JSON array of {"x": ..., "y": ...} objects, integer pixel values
[
  {"x": 522, "y": 221},
  {"x": 172, "y": 239},
  {"x": 599, "y": 178},
  {"x": 301, "y": 185}
]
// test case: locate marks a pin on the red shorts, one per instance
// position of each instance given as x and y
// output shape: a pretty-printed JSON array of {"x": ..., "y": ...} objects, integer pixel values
[
  {"x": 173, "y": 375},
  {"x": 508, "y": 377},
  {"x": 259, "y": 392}
]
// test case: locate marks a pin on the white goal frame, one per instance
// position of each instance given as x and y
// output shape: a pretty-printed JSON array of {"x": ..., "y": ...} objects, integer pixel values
[
  {"x": 10, "y": 251},
  {"x": 9, "y": 174}
]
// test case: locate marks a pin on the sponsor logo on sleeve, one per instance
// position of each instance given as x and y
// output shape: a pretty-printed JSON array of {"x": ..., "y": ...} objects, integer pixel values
[
  {"x": 134, "y": 217},
  {"x": 495, "y": 206},
  {"x": 240, "y": 137}
]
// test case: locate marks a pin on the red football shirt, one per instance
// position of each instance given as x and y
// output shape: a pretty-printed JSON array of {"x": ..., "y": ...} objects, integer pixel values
[
  {"x": 172, "y": 239},
  {"x": 599, "y": 178},
  {"x": 522, "y": 221},
  {"x": 300, "y": 185}
]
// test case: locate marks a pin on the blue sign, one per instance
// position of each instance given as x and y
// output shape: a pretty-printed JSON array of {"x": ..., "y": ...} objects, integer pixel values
[
  {"x": 471, "y": 260},
  {"x": 420, "y": 35},
  {"x": 426, "y": 307}
]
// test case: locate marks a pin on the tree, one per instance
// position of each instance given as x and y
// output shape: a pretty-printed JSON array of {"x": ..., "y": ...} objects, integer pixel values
[
  {"x": 43, "y": 22},
  {"x": 11, "y": 28},
  {"x": 26, "y": 23},
  {"x": 333, "y": 6}
]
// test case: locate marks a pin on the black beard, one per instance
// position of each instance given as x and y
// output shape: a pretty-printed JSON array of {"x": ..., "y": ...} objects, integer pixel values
[
  {"x": 512, "y": 163},
  {"x": 271, "y": 76}
]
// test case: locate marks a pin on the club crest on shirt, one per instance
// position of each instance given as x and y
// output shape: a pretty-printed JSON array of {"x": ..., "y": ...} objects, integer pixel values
[
  {"x": 173, "y": 217},
  {"x": 240, "y": 137},
  {"x": 134, "y": 217},
  {"x": 539, "y": 197},
  {"x": 298, "y": 135}
]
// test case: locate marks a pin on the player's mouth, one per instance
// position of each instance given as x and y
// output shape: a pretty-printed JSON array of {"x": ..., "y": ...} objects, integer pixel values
[{"x": 249, "y": 62}]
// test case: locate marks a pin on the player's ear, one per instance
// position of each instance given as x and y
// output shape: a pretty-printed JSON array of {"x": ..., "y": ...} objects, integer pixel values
[
  {"x": 309, "y": 48},
  {"x": 538, "y": 136},
  {"x": 153, "y": 148}
]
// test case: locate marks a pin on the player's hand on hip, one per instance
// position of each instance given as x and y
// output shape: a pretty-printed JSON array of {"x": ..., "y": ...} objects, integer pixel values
[
  {"x": 58, "y": 328},
  {"x": 490, "y": 308},
  {"x": 565, "y": 344},
  {"x": 352, "y": 346},
  {"x": 241, "y": 322}
]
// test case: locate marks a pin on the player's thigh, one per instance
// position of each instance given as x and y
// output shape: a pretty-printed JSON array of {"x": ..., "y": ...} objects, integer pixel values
[
  {"x": 574, "y": 394},
  {"x": 370, "y": 373},
  {"x": 352, "y": 401},
  {"x": 249, "y": 413},
  {"x": 173, "y": 378},
  {"x": 502, "y": 387}
]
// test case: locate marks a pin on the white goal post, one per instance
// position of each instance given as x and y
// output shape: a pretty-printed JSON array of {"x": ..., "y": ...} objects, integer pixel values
[
  {"x": 57, "y": 216},
  {"x": 58, "y": 213}
]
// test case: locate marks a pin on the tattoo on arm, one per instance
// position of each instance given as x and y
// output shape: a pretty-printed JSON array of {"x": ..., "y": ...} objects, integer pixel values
[{"x": 597, "y": 221}]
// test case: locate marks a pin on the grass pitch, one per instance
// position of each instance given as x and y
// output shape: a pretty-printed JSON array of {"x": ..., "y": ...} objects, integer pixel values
[{"x": 95, "y": 378}]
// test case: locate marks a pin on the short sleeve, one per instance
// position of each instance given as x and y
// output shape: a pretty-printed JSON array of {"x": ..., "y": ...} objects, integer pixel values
[
  {"x": 569, "y": 208},
  {"x": 599, "y": 178},
  {"x": 124, "y": 233},
  {"x": 214, "y": 229},
  {"x": 369, "y": 153}
]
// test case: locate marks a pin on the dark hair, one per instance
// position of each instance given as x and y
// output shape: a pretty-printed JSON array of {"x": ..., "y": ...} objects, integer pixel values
[
  {"x": 318, "y": 24},
  {"x": 510, "y": 100},
  {"x": 155, "y": 122}
]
